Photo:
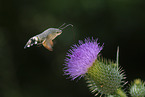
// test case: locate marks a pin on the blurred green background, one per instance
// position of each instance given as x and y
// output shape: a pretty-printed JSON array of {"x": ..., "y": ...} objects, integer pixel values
[{"x": 37, "y": 72}]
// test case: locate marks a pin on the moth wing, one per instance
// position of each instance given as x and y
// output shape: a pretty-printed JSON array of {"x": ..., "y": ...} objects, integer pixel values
[
  {"x": 51, "y": 43},
  {"x": 48, "y": 44}
]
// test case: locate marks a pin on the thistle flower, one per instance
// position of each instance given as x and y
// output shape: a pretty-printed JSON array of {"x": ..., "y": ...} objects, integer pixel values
[
  {"x": 80, "y": 57},
  {"x": 102, "y": 76}
]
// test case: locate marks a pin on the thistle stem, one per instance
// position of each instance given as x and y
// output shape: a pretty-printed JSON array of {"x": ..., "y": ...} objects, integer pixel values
[{"x": 121, "y": 93}]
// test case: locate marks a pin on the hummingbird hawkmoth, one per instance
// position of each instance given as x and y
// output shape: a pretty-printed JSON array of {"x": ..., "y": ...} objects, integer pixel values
[{"x": 45, "y": 38}]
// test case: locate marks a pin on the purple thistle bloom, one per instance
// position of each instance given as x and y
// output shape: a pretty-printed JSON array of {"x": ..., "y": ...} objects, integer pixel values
[{"x": 80, "y": 57}]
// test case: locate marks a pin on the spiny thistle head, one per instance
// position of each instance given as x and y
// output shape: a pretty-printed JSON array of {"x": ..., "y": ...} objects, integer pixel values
[
  {"x": 80, "y": 57},
  {"x": 104, "y": 77},
  {"x": 137, "y": 88}
]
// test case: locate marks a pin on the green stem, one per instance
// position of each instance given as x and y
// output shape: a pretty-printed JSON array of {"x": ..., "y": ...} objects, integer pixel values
[{"x": 121, "y": 93}]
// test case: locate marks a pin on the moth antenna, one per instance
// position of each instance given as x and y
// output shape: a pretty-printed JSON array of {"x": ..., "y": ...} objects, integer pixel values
[
  {"x": 62, "y": 25},
  {"x": 66, "y": 26}
]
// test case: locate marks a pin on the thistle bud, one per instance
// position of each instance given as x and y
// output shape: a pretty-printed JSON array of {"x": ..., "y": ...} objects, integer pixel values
[
  {"x": 137, "y": 88},
  {"x": 104, "y": 78}
]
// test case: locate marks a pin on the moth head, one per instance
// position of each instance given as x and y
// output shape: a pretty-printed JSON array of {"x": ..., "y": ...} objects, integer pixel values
[
  {"x": 58, "y": 31},
  {"x": 53, "y": 33},
  {"x": 31, "y": 42}
]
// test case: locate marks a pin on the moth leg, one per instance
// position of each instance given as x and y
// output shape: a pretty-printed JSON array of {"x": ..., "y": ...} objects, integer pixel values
[{"x": 39, "y": 44}]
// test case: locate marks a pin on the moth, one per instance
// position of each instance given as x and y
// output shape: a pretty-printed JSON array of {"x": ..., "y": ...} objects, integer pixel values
[{"x": 45, "y": 38}]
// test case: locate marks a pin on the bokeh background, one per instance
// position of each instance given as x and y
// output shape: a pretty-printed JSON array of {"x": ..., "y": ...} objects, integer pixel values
[{"x": 37, "y": 72}]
